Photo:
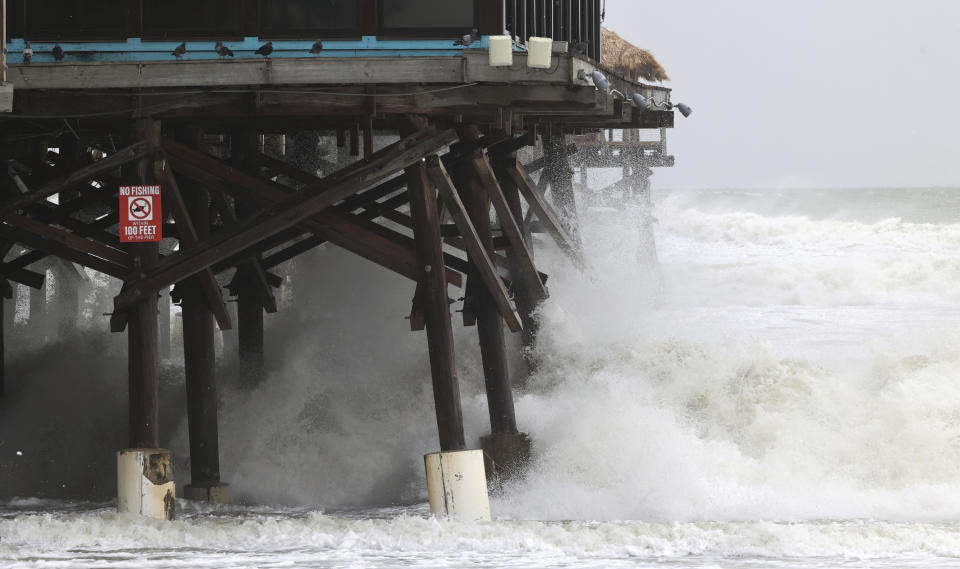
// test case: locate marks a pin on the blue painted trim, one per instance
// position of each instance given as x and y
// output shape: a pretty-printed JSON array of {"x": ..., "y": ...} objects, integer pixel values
[{"x": 135, "y": 49}]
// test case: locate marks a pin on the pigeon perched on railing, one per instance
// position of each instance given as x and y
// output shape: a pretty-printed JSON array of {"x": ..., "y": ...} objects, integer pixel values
[
  {"x": 179, "y": 51},
  {"x": 57, "y": 52},
  {"x": 317, "y": 47},
  {"x": 222, "y": 50},
  {"x": 579, "y": 47},
  {"x": 27, "y": 52},
  {"x": 468, "y": 39},
  {"x": 265, "y": 49}
]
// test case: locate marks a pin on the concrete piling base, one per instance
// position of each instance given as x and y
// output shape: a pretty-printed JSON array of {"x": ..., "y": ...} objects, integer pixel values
[
  {"x": 505, "y": 455},
  {"x": 145, "y": 482},
  {"x": 457, "y": 486},
  {"x": 216, "y": 493}
]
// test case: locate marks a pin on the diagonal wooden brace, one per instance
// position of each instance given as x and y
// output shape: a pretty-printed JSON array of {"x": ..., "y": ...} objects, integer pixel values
[
  {"x": 484, "y": 265},
  {"x": 189, "y": 238},
  {"x": 530, "y": 275},
  {"x": 251, "y": 270},
  {"x": 289, "y": 212},
  {"x": 56, "y": 241},
  {"x": 545, "y": 213}
]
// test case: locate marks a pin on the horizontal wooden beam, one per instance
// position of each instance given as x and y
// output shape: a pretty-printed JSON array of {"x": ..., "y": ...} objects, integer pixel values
[{"x": 293, "y": 210}]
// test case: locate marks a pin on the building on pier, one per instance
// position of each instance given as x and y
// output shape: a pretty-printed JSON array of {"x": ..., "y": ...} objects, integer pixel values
[{"x": 427, "y": 116}]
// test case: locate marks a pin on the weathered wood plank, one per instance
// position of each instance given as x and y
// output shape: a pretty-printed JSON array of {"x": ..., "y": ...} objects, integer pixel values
[
  {"x": 484, "y": 265},
  {"x": 240, "y": 72}
]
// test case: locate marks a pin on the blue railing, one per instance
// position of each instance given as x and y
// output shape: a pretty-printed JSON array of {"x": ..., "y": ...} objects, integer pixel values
[{"x": 135, "y": 49}]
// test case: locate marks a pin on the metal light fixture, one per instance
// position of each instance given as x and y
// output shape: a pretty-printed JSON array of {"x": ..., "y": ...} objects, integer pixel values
[
  {"x": 684, "y": 109},
  {"x": 640, "y": 101},
  {"x": 644, "y": 104},
  {"x": 600, "y": 81}
]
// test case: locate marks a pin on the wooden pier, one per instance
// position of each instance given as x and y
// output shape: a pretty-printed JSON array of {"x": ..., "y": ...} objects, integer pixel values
[{"x": 234, "y": 209}]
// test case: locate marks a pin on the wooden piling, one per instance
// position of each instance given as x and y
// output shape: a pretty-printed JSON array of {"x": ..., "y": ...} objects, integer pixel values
[
  {"x": 3, "y": 350},
  {"x": 199, "y": 355},
  {"x": 37, "y": 318},
  {"x": 142, "y": 354},
  {"x": 426, "y": 229},
  {"x": 561, "y": 184},
  {"x": 489, "y": 321},
  {"x": 526, "y": 302},
  {"x": 249, "y": 305}
]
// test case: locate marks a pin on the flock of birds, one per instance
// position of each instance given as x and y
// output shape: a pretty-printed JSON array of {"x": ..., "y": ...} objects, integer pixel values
[
  {"x": 223, "y": 51},
  {"x": 266, "y": 49},
  {"x": 178, "y": 52}
]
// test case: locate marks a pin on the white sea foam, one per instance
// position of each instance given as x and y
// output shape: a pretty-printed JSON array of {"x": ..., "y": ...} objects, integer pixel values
[{"x": 782, "y": 392}]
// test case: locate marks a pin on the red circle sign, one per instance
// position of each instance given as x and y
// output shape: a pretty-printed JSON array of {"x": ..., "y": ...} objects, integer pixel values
[{"x": 140, "y": 208}]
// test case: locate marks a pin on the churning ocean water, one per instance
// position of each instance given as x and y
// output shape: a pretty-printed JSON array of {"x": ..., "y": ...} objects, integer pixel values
[{"x": 782, "y": 390}]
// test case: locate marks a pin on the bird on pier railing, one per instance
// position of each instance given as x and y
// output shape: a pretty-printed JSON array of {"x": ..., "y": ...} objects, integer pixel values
[
  {"x": 265, "y": 49},
  {"x": 579, "y": 47},
  {"x": 27, "y": 52},
  {"x": 179, "y": 51},
  {"x": 468, "y": 39},
  {"x": 317, "y": 48},
  {"x": 222, "y": 50},
  {"x": 57, "y": 52}
]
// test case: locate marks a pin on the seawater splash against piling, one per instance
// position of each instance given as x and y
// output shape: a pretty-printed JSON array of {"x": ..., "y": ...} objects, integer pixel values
[{"x": 790, "y": 375}]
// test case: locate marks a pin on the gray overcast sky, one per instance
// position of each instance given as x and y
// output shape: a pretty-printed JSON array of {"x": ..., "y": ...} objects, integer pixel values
[{"x": 819, "y": 93}]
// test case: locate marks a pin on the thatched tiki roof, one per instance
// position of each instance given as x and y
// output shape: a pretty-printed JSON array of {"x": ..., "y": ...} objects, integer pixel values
[{"x": 629, "y": 60}]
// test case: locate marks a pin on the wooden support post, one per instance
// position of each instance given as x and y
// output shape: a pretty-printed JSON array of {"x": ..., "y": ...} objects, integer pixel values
[
  {"x": 199, "y": 354},
  {"x": 561, "y": 185},
  {"x": 142, "y": 362},
  {"x": 545, "y": 214},
  {"x": 493, "y": 350},
  {"x": 446, "y": 387},
  {"x": 355, "y": 139},
  {"x": 163, "y": 319},
  {"x": 367, "y": 136},
  {"x": 66, "y": 298},
  {"x": 37, "y": 319},
  {"x": 249, "y": 305},
  {"x": 526, "y": 302},
  {"x": 3, "y": 350}
]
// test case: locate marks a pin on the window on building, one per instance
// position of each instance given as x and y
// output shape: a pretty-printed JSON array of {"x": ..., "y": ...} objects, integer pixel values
[
  {"x": 443, "y": 18},
  {"x": 74, "y": 20},
  {"x": 182, "y": 19},
  {"x": 309, "y": 19}
]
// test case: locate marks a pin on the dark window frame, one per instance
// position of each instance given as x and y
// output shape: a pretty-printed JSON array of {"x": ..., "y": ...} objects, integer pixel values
[
  {"x": 265, "y": 32},
  {"x": 384, "y": 32},
  {"x": 173, "y": 34},
  {"x": 99, "y": 35}
]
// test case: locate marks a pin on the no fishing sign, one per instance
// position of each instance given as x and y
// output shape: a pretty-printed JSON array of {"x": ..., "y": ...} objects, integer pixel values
[{"x": 140, "y": 218}]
